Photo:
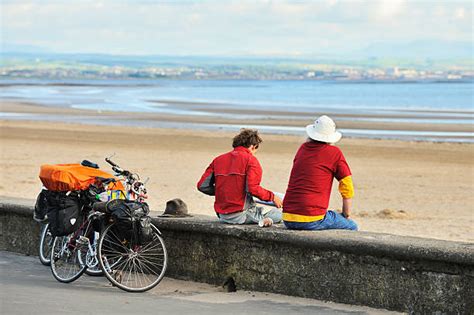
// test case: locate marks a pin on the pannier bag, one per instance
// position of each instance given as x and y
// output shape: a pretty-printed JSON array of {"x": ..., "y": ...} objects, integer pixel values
[
  {"x": 73, "y": 177},
  {"x": 64, "y": 212},
  {"x": 41, "y": 207},
  {"x": 131, "y": 220},
  {"x": 145, "y": 231}
]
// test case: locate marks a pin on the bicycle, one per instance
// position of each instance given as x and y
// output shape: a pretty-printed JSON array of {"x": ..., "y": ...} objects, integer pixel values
[
  {"x": 131, "y": 259},
  {"x": 45, "y": 244},
  {"x": 46, "y": 238}
]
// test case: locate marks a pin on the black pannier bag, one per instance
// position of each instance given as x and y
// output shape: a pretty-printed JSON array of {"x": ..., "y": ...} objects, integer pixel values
[
  {"x": 131, "y": 220},
  {"x": 41, "y": 207},
  {"x": 64, "y": 212},
  {"x": 145, "y": 231},
  {"x": 121, "y": 214}
]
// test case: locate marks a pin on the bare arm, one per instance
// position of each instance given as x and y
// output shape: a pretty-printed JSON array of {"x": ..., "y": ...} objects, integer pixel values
[{"x": 346, "y": 207}]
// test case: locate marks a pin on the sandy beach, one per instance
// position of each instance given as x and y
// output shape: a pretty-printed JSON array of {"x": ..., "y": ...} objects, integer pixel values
[{"x": 407, "y": 188}]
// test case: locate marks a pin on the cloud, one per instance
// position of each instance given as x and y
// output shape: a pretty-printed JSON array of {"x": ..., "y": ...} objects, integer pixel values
[
  {"x": 388, "y": 9},
  {"x": 460, "y": 13},
  {"x": 222, "y": 27}
]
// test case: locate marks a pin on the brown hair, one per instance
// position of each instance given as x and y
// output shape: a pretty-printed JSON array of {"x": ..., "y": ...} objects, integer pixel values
[{"x": 247, "y": 138}]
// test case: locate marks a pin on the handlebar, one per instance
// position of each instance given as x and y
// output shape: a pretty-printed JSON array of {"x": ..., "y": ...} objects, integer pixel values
[
  {"x": 132, "y": 179},
  {"x": 117, "y": 169},
  {"x": 108, "y": 160}
]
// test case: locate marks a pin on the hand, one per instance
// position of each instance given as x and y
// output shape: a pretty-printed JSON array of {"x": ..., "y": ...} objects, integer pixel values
[
  {"x": 277, "y": 201},
  {"x": 346, "y": 207}
]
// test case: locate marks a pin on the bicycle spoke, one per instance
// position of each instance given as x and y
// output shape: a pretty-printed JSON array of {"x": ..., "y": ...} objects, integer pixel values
[
  {"x": 119, "y": 243},
  {"x": 150, "y": 269},
  {"x": 121, "y": 264},
  {"x": 145, "y": 274},
  {"x": 151, "y": 262},
  {"x": 130, "y": 270},
  {"x": 157, "y": 247},
  {"x": 137, "y": 277}
]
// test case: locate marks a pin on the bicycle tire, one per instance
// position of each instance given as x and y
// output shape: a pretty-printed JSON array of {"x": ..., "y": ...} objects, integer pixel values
[
  {"x": 94, "y": 272},
  {"x": 46, "y": 242},
  {"x": 65, "y": 253},
  {"x": 124, "y": 266}
]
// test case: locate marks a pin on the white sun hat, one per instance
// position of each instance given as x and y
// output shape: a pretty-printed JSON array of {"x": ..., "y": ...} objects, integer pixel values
[{"x": 324, "y": 130}]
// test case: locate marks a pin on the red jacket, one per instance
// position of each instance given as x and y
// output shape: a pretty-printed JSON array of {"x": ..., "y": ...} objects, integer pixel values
[{"x": 234, "y": 177}]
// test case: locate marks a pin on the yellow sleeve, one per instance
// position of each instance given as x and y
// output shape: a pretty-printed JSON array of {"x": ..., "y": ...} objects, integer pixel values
[{"x": 346, "y": 188}]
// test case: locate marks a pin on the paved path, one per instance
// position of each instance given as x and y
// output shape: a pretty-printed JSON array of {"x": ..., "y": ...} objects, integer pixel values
[{"x": 27, "y": 287}]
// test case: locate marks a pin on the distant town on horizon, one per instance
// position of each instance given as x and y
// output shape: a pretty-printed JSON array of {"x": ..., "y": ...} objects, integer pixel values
[{"x": 29, "y": 65}]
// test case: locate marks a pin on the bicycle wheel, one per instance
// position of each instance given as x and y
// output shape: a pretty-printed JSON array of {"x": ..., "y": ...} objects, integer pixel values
[
  {"x": 46, "y": 241},
  {"x": 65, "y": 263},
  {"x": 130, "y": 266}
]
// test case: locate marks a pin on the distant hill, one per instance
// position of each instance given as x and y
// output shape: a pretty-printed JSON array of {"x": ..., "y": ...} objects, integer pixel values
[
  {"x": 422, "y": 49},
  {"x": 377, "y": 55},
  {"x": 409, "y": 53}
]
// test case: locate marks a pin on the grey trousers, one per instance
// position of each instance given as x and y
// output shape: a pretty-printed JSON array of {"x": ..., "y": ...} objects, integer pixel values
[{"x": 252, "y": 215}]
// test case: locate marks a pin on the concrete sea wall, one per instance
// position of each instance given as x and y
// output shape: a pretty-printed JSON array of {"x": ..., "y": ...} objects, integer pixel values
[{"x": 414, "y": 275}]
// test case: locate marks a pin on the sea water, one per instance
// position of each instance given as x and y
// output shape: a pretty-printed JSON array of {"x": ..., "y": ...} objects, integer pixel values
[{"x": 429, "y": 103}]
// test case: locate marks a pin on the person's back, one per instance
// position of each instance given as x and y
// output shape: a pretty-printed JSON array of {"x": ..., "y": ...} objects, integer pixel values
[
  {"x": 234, "y": 178},
  {"x": 230, "y": 177},
  {"x": 316, "y": 164}
]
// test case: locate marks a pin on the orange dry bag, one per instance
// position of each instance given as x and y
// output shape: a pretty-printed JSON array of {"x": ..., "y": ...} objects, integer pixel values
[{"x": 69, "y": 177}]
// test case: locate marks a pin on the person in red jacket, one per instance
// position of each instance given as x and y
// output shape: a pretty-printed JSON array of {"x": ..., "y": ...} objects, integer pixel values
[
  {"x": 234, "y": 178},
  {"x": 316, "y": 164}
]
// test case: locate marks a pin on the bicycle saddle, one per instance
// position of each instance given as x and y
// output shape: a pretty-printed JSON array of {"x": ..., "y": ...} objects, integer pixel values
[{"x": 89, "y": 164}]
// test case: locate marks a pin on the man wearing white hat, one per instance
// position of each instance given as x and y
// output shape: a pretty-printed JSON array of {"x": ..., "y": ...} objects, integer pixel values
[{"x": 315, "y": 165}]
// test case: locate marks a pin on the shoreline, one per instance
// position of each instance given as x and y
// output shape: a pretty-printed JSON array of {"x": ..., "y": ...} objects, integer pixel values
[{"x": 232, "y": 119}]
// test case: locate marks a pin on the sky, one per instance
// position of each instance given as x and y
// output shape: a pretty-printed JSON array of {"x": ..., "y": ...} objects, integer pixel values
[{"x": 267, "y": 28}]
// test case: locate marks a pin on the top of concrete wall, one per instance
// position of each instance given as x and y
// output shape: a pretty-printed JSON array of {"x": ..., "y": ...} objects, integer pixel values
[{"x": 359, "y": 243}]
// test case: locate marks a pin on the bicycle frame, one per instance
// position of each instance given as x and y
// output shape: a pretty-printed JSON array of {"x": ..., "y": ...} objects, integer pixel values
[{"x": 85, "y": 230}]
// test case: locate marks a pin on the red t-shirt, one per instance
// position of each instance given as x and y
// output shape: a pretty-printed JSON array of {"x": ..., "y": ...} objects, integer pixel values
[{"x": 309, "y": 188}]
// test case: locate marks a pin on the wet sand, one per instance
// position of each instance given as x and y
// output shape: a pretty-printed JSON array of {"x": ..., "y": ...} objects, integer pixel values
[
  {"x": 406, "y": 188},
  {"x": 223, "y": 115}
]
